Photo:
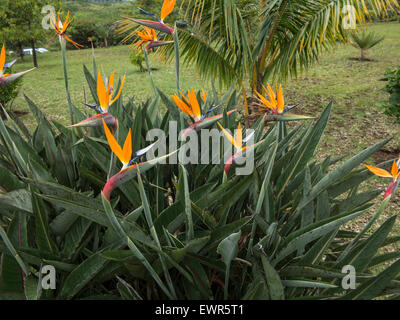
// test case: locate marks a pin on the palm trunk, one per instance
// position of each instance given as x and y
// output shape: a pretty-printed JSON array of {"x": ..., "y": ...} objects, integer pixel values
[
  {"x": 35, "y": 64},
  {"x": 260, "y": 69},
  {"x": 362, "y": 55},
  {"x": 34, "y": 55},
  {"x": 20, "y": 51}
]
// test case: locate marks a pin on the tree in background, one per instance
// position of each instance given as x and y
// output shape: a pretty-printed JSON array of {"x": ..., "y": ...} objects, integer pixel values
[
  {"x": 21, "y": 23},
  {"x": 364, "y": 40},
  {"x": 264, "y": 40}
]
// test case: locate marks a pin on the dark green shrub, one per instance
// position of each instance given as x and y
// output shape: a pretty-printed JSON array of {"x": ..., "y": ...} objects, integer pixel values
[
  {"x": 364, "y": 41},
  {"x": 137, "y": 58},
  {"x": 10, "y": 92},
  {"x": 180, "y": 231},
  {"x": 392, "y": 107}
]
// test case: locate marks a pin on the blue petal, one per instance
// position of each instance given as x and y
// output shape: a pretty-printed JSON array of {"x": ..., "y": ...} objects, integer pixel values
[
  {"x": 248, "y": 137},
  {"x": 141, "y": 152},
  {"x": 10, "y": 64},
  {"x": 94, "y": 107},
  {"x": 209, "y": 111},
  {"x": 150, "y": 14},
  {"x": 287, "y": 109}
]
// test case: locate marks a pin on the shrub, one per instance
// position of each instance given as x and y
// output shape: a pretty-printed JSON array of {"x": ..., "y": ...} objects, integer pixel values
[
  {"x": 10, "y": 92},
  {"x": 137, "y": 58},
  {"x": 392, "y": 107},
  {"x": 183, "y": 231},
  {"x": 364, "y": 41}
]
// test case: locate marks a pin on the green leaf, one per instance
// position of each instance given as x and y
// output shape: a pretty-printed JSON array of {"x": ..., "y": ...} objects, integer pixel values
[
  {"x": 185, "y": 199},
  {"x": 273, "y": 280},
  {"x": 228, "y": 249},
  {"x": 84, "y": 273},
  {"x": 32, "y": 288},
  {"x": 375, "y": 286}
]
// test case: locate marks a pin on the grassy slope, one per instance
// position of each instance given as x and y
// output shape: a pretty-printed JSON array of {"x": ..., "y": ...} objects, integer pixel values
[
  {"x": 353, "y": 86},
  {"x": 45, "y": 85},
  {"x": 356, "y": 122}
]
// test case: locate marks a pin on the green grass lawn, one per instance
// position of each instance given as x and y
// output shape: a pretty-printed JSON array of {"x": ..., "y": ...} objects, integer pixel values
[
  {"x": 45, "y": 85},
  {"x": 353, "y": 86}
]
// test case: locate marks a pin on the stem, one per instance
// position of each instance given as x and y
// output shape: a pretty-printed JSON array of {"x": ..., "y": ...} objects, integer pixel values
[
  {"x": 146, "y": 58},
  {"x": 13, "y": 252},
  {"x": 176, "y": 44},
  {"x": 112, "y": 159},
  {"x": 71, "y": 114},
  {"x": 64, "y": 60},
  {"x": 263, "y": 56},
  {"x": 246, "y": 106},
  {"x": 226, "y": 282}
]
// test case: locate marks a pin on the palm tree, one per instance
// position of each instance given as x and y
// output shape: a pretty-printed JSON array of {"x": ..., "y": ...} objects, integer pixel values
[
  {"x": 364, "y": 41},
  {"x": 259, "y": 40}
]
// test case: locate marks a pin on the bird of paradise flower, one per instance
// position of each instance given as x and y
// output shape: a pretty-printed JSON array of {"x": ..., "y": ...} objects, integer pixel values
[
  {"x": 124, "y": 154},
  {"x": 238, "y": 142},
  {"x": 190, "y": 106},
  {"x": 128, "y": 159},
  {"x": 394, "y": 174},
  {"x": 106, "y": 100},
  {"x": 275, "y": 102},
  {"x": 4, "y": 77},
  {"x": 167, "y": 8},
  {"x": 61, "y": 29},
  {"x": 149, "y": 35}
]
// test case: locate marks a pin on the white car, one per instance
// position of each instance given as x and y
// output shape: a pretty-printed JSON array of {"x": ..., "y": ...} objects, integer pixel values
[{"x": 28, "y": 52}]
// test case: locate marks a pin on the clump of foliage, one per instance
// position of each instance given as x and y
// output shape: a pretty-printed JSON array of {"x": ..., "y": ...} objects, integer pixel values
[
  {"x": 186, "y": 231},
  {"x": 175, "y": 231},
  {"x": 10, "y": 92},
  {"x": 137, "y": 58},
  {"x": 93, "y": 22},
  {"x": 364, "y": 41},
  {"x": 238, "y": 41},
  {"x": 392, "y": 107}
]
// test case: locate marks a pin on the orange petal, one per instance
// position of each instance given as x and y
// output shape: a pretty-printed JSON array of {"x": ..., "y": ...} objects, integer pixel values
[
  {"x": 184, "y": 97},
  {"x": 141, "y": 34},
  {"x": 153, "y": 35},
  {"x": 119, "y": 92},
  {"x": 77, "y": 45},
  {"x": 281, "y": 100},
  {"x": 101, "y": 92},
  {"x": 115, "y": 147},
  {"x": 66, "y": 23},
  {"x": 58, "y": 21},
  {"x": 167, "y": 8},
  {"x": 265, "y": 101},
  {"x": 182, "y": 105},
  {"x": 110, "y": 84},
  {"x": 204, "y": 95},
  {"x": 194, "y": 104},
  {"x": 239, "y": 137},
  {"x": 271, "y": 94},
  {"x": 395, "y": 169},
  {"x": 2, "y": 59},
  {"x": 229, "y": 137},
  {"x": 379, "y": 172},
  {"x": 127, "y": 150}
]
